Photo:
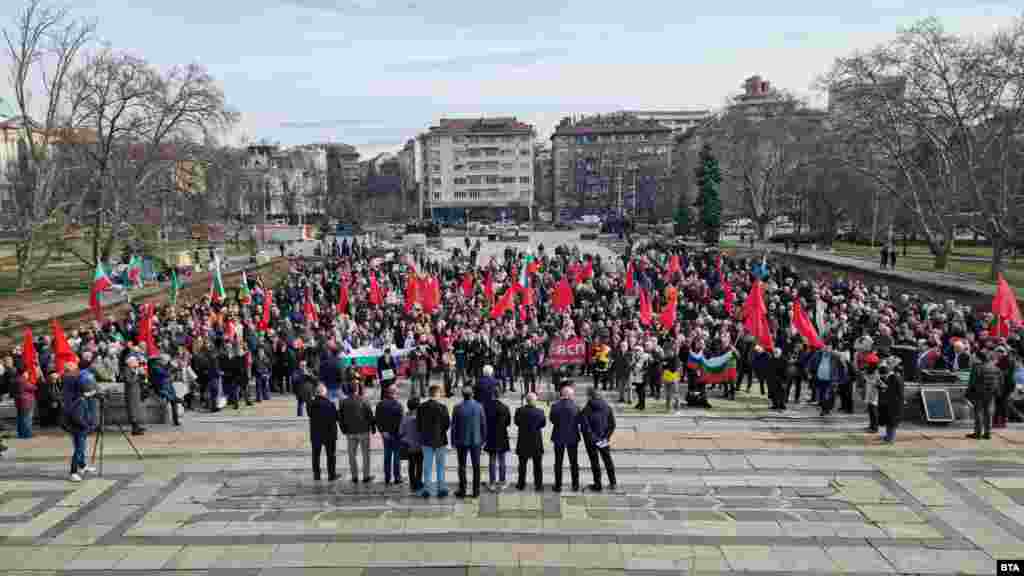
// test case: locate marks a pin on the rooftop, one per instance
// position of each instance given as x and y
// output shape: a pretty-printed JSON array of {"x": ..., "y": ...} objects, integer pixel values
[
  {"x": 503, "y": 124},
  {"x": 620, "y": 123}
]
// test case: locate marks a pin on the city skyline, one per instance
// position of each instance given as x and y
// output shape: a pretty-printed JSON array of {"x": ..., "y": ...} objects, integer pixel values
[{"x": 376, "y": 73}]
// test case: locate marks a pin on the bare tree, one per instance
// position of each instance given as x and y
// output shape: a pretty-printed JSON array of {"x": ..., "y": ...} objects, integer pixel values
[
  {"x": 43, "y": 44},
  {"x": 760, "y": 152},
  {"x": 146, "y": 123},
  {"x": 930, "y": 118}
]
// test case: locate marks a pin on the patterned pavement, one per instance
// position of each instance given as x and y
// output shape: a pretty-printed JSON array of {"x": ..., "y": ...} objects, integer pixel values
[{"x": 736, "y": 504}]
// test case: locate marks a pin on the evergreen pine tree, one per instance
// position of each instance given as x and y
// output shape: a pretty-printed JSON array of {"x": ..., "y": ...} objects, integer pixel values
[
  {"x": 682, "y": 219},
  {"x": 708, "y": 179}
]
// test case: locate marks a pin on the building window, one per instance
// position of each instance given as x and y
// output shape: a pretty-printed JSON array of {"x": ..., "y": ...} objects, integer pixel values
[
  {"x": 473, "y": 153},
  {"x": 435, "y": 168},
  {"x": 524, "y": 179},
  {"x": 491, "y": 152},
  {"x": 457, "y": 139},
  {"x": 508, "y": 165},
  {"x": 460, "y": 181},
  {"x": 475, "y": 179},
  {"x": 436, "y": 182},
  {"x": 435, "y": 141},
  {"x": 492, "y": 179},
  {"x": 458, "y": 167},
  {"x": 524, "y": 152},
  {"x": 525, "y": 165},
  {"x": 508, "y": 179}
]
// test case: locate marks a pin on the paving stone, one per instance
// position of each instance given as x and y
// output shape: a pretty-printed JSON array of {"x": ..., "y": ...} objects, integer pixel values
[
  {"x": 750, "y": 503},
  {"x": 147, "y": 557},
  {"x": 252, "y": 556},
  {"x": 695, "y": 515},
  {"x": 889, "y": 514},
  {"x": 930, "y": 561},
  {"x": 762, "y": 516},
  {"x": 850, "y": 559},
  {"x": 195, "y": 558},
  {"x": 729, "y": 462},
  {"x": 745, "y": 491},
  {"x": 98, "y": 558}
]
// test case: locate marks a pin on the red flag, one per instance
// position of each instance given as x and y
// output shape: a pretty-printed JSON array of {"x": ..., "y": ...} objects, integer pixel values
[
  {"x": 528, "y": 298},
  {"x": 146, "y": 332},
  {"x": 61, "y": 349},
  {"x": 586, "y": 272},
  {"x": 412, "y": 292},
  {"x": 343, "y": 299},
  {"x": 629, "y": 277},
  {"x": 755, "y": 317},
  {"x": 563, "y": 298},
  {"x": 1004, "y": 303},
  {"x": 667, "y": 318},
  {"x": 673, "y": 266},
  {"x": 504, "y": 304},
  {"x": 803, "y": 326},
  {"x": 29, "y": 357},
  {"x": 533, "y": 267},
  {"x": 264, "y": 324},
  {"x": 467, "y": 285},
  {"x": 307, "y": 308},
  {"x": 430, "y": 296},
  {"x": 646, "y": 314},
  {"x": 489, "y": 287},
  {"x": 375, "y": 297}
]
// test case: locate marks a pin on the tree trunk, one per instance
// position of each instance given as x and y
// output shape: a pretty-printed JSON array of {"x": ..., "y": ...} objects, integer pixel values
[
  {"x": 942, "y": 252},
  {"x": 997, "y": 256}
]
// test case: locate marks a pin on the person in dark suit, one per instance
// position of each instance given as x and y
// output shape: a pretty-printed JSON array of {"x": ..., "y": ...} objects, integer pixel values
[
  {"x": 469, "y": 429},
  {"x": 497, "y": 445},
  {"x": 565, "y": 435},
  {"x": 388, "y": 417},
  {"x": 323, "y": 432},
  {"x": 597, "y": 422},
  {"x": 432, "y": 422},
  {"x": 893, "y": 399},
  {"x": 530, "y": 444}
]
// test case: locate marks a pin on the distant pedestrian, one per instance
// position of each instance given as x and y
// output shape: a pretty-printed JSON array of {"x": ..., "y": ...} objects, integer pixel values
[
  {"x": 433, "y": 421},
  {"x": 469, "y": 430},
  {"x": 323, "y": 433},
  {"x": 892, "y": 256},
  {"x": 597, "y": 422},
  {"x": 530, "y": 445},
  {"x": 356, "y": 422},
  {"x": 885, "y": 256},
  {"x": 985, "y": 380},
  {"x": 25, "y": 400}
]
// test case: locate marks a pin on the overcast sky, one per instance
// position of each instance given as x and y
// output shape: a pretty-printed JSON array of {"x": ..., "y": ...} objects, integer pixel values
[{"x": 374, "y": 73}]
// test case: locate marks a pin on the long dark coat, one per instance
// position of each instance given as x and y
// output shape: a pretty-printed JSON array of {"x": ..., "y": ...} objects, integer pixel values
[{"x": 530, "y": 421}]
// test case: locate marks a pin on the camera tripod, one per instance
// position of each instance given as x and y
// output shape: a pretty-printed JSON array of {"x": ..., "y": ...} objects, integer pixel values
[{"x": 98, "y": 446}]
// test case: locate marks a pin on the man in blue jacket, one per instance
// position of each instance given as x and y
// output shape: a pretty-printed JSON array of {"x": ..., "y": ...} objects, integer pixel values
[
  {"x": 329, "y": 371},
  {"x": 565, "y": 435},
  {"x": 469, "y": 429},
  {"x": 487, "y": 386}
]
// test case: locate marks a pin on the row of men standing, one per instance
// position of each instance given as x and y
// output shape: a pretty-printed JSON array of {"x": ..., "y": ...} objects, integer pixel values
[{"x": 421, "y": 436}]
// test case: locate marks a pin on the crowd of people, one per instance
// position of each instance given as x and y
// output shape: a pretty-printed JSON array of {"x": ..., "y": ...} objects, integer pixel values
[{"x": 481, "y": 328}]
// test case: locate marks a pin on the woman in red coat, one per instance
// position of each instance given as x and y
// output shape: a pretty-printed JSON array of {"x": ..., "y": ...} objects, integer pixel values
[{"x": 25, "y": 402}]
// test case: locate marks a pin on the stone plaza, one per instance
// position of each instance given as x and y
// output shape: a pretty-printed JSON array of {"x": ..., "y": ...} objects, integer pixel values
[{"x": 699, "y": 493}]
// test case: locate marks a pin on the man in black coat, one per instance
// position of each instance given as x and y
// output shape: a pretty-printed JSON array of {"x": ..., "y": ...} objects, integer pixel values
[
  {"x": 323, "y": 432},
  {"x": 530, "y": 445},
  {"x": 565, "y": 435},
  {"x": 597, "y": 422},
  {"x": 432, "y": 422},
  {"x": 388, "y": 418},
  {"x": 892, "y": 397}
]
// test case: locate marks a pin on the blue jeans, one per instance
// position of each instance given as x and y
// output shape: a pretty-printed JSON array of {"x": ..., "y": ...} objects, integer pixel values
[
  {"x": 496, "y": 458},
  {"x": 434, "y": 459},
  {"x": 392, "y": 461},
  {"x": 216, "y": 389},
  {"x": 78, "y": 441},
  {"x": 300, "y": 404},
  {"x": 25, "y": 422},
  {"x": 824, "y": 392},
  {"x": 333, "y": 395}
]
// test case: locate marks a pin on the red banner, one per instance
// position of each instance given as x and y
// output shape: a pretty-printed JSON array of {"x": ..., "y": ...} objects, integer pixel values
[{"x": 564, "y": 352}]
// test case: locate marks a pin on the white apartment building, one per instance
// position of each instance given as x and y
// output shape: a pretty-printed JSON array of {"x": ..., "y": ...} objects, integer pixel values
[
  {"x": 478, "y": 168},
  {"x": 679, "y": 121}
]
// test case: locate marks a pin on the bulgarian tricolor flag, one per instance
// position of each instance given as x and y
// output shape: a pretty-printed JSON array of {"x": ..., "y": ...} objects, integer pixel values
[
  {"x": 135, "y": 271},
  {"x": 217, "y": 292},
  {"x": 720, "y": 368},
  {"x": 365, "y": 360},
  {"x": 100, "y": 283},
  {"x": 245, "y": 296}
]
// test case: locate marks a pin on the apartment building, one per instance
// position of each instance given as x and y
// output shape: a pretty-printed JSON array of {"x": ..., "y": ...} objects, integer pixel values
[
  {"x": 611, "y": 164},
  {"x": 478, "y": 168},
  {"x": 678, "y": 121}
]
